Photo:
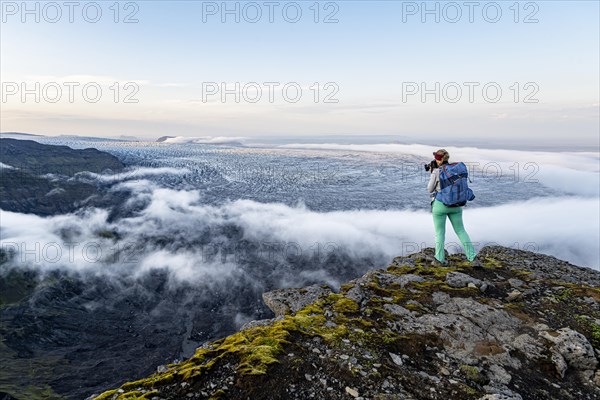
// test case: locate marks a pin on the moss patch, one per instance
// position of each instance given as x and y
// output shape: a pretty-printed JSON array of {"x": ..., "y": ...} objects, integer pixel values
[{"x": 345, "y": 305}]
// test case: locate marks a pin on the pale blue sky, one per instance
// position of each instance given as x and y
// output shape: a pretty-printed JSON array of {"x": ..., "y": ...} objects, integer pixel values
[{"x": 368, "y": 54}]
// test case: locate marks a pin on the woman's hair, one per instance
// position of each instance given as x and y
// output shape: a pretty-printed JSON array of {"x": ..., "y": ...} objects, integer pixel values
[{"x": 445, "y": 155}]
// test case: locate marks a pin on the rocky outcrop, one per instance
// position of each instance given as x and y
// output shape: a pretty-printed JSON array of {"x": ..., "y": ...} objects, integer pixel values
[
  {"x": 524, "y": 326},
  {"x": 290, "y": 301}
]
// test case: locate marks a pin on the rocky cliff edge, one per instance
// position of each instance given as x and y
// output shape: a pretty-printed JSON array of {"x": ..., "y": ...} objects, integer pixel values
[{"x": 524, "y": 326}]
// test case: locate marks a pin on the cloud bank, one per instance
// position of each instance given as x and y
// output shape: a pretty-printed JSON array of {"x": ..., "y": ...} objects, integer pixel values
[
  {"x": 130, "y": 174},
  {"x": 173, "y": 230}
]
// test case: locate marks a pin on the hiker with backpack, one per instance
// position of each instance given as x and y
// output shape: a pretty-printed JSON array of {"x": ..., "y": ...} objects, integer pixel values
[{"x": 450, "y": 191}]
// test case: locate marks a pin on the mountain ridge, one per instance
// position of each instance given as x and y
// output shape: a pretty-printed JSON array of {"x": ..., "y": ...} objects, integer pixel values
[{"x": 36, "y": 177}]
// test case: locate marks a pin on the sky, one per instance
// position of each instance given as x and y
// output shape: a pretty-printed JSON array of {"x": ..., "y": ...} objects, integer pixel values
[{"x": 512, "y": 71}]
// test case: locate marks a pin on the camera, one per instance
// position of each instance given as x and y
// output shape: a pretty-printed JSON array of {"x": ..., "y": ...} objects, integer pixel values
[{"x": 431, "y": 166}]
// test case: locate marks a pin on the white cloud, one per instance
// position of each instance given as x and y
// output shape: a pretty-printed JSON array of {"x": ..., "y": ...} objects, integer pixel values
[
  {"x": 171, "y": 233},
  {"x": 132, "y": 174}
]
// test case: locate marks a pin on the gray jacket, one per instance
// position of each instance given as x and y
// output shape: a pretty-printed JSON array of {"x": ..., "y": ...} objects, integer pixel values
[{"x": 434, "y": 182}]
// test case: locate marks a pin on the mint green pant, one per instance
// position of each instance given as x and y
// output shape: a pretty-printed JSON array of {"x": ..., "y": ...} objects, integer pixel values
[{"x": 440, "y": 211}]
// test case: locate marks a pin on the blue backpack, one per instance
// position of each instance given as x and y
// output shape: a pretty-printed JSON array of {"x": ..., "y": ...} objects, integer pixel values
[{"x": 454, "y": 185}]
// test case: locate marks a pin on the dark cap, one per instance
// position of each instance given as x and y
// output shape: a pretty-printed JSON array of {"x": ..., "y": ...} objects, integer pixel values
[{"x": 440, "y": 154}]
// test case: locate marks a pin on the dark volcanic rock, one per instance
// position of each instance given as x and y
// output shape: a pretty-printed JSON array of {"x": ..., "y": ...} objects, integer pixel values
[
  {"x": 26, "y": 193},
  {"x": 84, "y": 333},
  {"x": 411, "y": 331},
  {"x": 286, "y": 301}
]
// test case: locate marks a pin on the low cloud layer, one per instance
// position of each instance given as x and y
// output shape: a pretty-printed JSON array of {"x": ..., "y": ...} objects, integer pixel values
[
  {"x": 176, "y": 232},
  {"x": 130, "y": 174},
  {"x": 6, "y": 166}
]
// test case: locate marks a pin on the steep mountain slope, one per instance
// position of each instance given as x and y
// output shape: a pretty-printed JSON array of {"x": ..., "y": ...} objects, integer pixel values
[
  {"x": 35, "y": 176},
  {"x": 36, "y": 158}
]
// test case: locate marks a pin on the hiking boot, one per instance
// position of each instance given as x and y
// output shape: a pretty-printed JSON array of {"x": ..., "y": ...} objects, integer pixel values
[
  {"x": 476, "y": 264},
  {"x": 436, "y": 263}
]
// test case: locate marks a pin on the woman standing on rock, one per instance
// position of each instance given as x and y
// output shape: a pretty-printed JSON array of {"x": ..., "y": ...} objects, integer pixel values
[{"x": 441, "y": 211}]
